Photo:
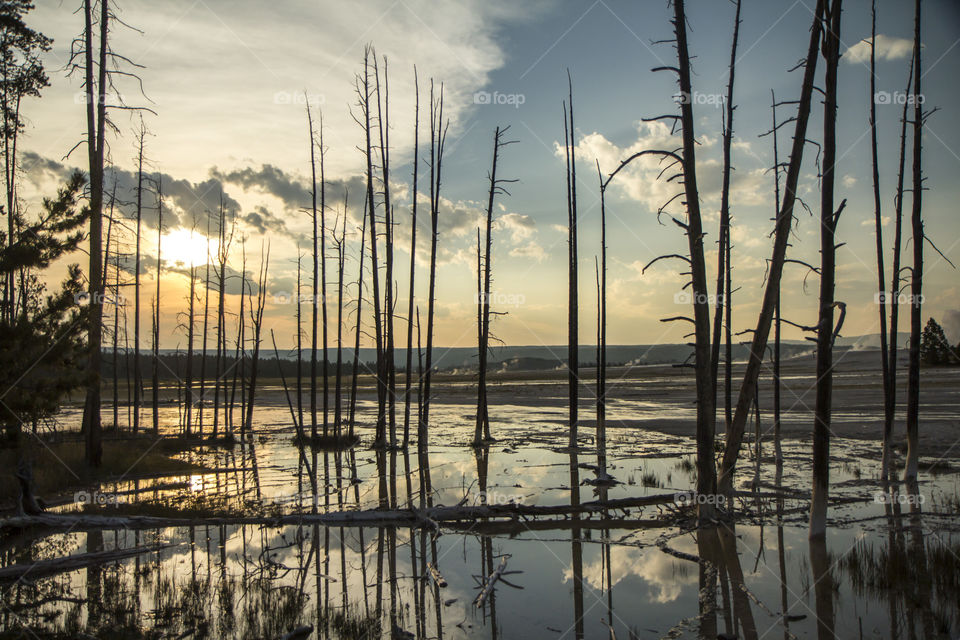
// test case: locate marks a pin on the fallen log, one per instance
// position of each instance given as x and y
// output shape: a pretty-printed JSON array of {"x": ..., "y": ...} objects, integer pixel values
[
  {"x": 427, "y": 518},
  {"x": 53, "y": 566}
]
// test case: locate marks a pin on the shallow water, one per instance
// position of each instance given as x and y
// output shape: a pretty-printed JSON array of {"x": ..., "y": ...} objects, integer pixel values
[{"x": 888, "y": 570}]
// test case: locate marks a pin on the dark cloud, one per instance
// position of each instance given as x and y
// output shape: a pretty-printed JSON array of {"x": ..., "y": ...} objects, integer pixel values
[{"x": 186, "y": 204}]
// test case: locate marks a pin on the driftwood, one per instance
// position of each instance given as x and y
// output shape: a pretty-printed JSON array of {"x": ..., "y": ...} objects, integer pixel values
[
  {"x": 416, "y": 518},
  {"x": 42, "y": 568},
  {"x": 435, "y": 575},
  {"x": 490, "y": 582}
]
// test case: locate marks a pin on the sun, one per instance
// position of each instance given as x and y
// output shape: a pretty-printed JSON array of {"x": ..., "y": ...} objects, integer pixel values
[{"x": 183, "y": 247}]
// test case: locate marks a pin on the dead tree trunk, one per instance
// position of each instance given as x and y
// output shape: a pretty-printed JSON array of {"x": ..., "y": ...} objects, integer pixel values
[
  {"x": 885, "y": 363},
  {"x": 356, "y": 336},
  {"x": 706, "y": 384},
  {"x": 137, "y": 371},
  {"x": 338, "y": 386},
  {"x": 256, "y": 320},
  {"x": 299, "y": 343},
  {"x": 206, "y": 326},
  {"x": 188, "y": 380},
  {"x": 916, "y": 272},
  {"x": 390, "y": 369},
  {"x": 777, "y": 443},
  {"x": 771, "y": 293},
  {"x": 573, "y": 347},
  {"x": 482, "y": 431},
  {"x": 364, "y": 92},
  {"x": 316, "y": 277},
  {"x": 723, "y": 252},
  {"x": 156, "y": 314},
  {"x": 890, "y": 402},
  {"x": 96, "y": 108},
  {"x": 438, "y": 136},
  {"x": 413, "y": 262},
  {"x": 826, "y": 333}
]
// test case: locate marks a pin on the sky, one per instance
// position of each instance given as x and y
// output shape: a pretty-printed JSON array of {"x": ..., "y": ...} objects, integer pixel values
[{"x": 228, "y": 82}]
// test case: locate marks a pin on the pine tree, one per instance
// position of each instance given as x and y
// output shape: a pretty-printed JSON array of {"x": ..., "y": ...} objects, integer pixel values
[
  {"x": 934, "y": 347},
  {"x": 41, "y": 355}
]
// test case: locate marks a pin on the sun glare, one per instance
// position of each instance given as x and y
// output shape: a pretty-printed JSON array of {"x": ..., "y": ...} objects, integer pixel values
[{"x": 183, "y": 248}]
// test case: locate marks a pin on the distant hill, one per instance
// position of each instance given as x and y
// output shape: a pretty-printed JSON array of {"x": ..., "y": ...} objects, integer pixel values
[{"x": 548, "y": 357}]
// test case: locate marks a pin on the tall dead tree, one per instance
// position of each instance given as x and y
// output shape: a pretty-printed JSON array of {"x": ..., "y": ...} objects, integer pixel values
[
  {"x": 438, "y": 137},
  {"x": 916, "y": 271},
  {"x": 771, "y": 293},
  {"x": 390, "y": 369},
  {"x": 413, "y": 261},
  {"x": 482, "y": 431},
  {"x": 137, "y": 371},
  {"x": 96, "y": 107},
  {"x": 723, "y": 298},
  {"x": 203, "y": 340},
  {"x": 826, "y": 332},
  {"x": 706, "y": 384},
  {"x": 602, "y": 334},
  {"x": 188, "y": 380},
  {"x": 355, "y": 369},
  {"x": 890, "y": 402},
  {"x": 256, "y": 321},
  {"x": 778, "y": 450},
  {"x": 341, "y": 245},
  {"x": 223, "y": 252},
  {"x": 364, "y": 93},
  {"x": 316, "y": 275},
  {"x": 885, "y": 363},
  {"x": 573, "y": 346},
  {"x": 156, "y": 313}
]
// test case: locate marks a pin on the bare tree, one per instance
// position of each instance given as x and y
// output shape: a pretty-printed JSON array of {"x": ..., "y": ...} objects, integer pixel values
[
  {"x": 156, "y": 313},
  {"x": 826, "y": 332},
  {"x": 573, "y": 347},
  {"x": 256, "y": 321},
  {"x": 96, "y": 106},
  {"x": 771, "y": 294},
  {"x": 438, "y": 137},
  {"x": 890, "y": 402},
  {"x": 137, "y": 372},
  {"x": 916, "y": 272},
  {"x": 482, "y": 431},
  {"x": 316, "y": 274},
  {"x": 364, "y": 92},
  {"x": 413, "y": 261},
  {"x": 390, "y": 369},
  {"x": 724, "y": 266},
  {"x": 356, "y": 335}
]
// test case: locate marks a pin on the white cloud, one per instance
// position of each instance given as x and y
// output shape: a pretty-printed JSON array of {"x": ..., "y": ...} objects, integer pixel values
[
  {"x": 530, "y": 250},
  {"x": 888, "y": 48}
]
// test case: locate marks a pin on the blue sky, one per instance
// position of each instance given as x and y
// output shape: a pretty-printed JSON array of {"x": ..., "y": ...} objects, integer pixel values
[{"x": 226, "y": 79}]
